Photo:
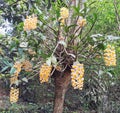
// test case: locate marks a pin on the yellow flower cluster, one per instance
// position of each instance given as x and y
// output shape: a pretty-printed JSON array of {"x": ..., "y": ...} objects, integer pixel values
[
  {"x": 14, "y": 95},
  {"x": 44, "y": 74},
  {"x": 110, "y": 56},
  {"x": 81, "y": 22},
  {"x": 77, "y": 75},
  {"x": 14, "y": 92},
  {"x": 64, "y": 13},
  {"x": 30, "y": 23},
  {"x": 17, "y": 66},
  {"x": 27, "y": 66},
  {"x": 13, "y": 79}
]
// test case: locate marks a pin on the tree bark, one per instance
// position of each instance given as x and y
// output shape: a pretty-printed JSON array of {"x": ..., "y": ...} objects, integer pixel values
[{"x": 62, "y": 81}]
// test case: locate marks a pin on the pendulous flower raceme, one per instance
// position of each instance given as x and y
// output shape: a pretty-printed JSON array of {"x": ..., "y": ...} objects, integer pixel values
[
  {"x": 14, "y": 94},
  {"x": 77, "y": 75},
  {"x": 18, "y": 67},
  {"x": 27, "y": 66},
  {"x": 110, "y": 56},
  {"x": 64, "y": 13},
  {"x": 45, "y": 72},
  {"x": 30, "y": 23},
  {"x": 13, "y": 79},
  {"x": 81, "y": 22}
]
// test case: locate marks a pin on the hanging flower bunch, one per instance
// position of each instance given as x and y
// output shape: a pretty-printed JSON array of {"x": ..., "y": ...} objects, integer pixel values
[
  {"x": 14, "y": 95},
  {"x": 18, "y": 67},
  {"x": 30, "y": 23},
  {"x": 81, "y": 22},
  {"x": 27, "y": 66},
  {"x": 14, "y": 92},
  {"x": 77, "y": 75},
  {"x": 110, "y": 56},
  {"x": 64, "y": 14},
  {"x": 45, "y": 71},
  {"x": 13, "y": 79}
]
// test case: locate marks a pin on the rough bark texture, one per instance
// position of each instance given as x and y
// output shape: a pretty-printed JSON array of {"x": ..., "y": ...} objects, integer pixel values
[{"x": 62, "y": 81}]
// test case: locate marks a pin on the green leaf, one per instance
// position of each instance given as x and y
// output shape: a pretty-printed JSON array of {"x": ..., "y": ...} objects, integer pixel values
[
  {"x": 25, "y": 79},
  {"x": 4, "y": 69},
  {"x": 5, "y": 61},
  {"x": 49, "y": 61},
  {"x": 76, "y": 9},
  {"x": 110, "y": 74},
  {"x": 44, "y": 55},
  {"x": 100, "y": 72},
  {"x": 12, "y": 71},
  {"x": 101, "y": 46},
  {"x": 20, "y": 51},
  {"x": 92, "y": 3},
  {"x": 53, "y": 60}
]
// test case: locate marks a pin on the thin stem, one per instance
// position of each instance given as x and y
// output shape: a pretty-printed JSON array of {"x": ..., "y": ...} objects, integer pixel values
[
  {"x": 55, "y": 48},
  {"x": 69, "y": 53}
]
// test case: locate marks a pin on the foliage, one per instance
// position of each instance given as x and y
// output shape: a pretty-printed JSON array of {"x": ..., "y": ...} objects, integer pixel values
[{"x": 107, "y": 22}]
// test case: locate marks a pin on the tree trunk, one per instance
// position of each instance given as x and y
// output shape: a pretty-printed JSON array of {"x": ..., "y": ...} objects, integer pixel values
[{"x": 62, "y": 81}]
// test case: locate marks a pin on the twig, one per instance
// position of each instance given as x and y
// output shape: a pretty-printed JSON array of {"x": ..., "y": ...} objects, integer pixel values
[
  {"x": 69, "y": 53},
  {"x": 55, "y": 48}
]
